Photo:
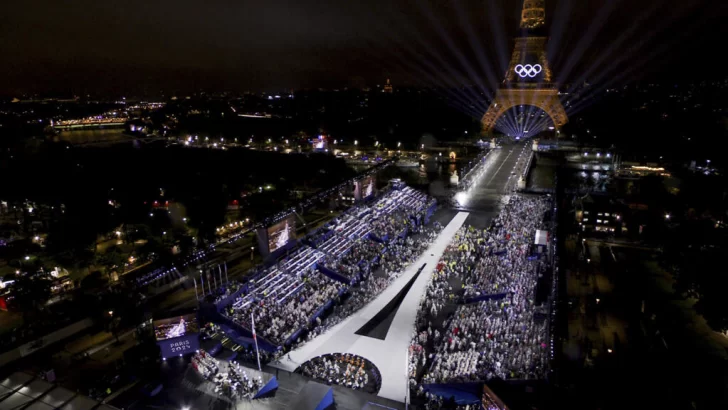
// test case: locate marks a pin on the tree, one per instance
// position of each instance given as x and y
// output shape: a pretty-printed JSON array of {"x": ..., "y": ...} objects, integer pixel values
[
  {"x": 121, "y": 309},
  {"x": 206, "y": 209},
  {"x": 711, "y": 283},
  {"x": 94, "y": 282},
  {"x": 111, "y": 260},
  {"x": 31, "y": 292}
]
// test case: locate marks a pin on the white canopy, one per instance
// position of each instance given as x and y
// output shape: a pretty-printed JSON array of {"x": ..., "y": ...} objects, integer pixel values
[{"x": 542, "y": 237}]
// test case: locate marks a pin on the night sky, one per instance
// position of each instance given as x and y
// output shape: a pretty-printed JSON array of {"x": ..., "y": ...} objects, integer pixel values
[{"x": 144, "y": 47}]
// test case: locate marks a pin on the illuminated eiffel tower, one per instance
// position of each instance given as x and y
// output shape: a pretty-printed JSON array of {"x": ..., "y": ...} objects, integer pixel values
[{"x": 528, "y": 80}]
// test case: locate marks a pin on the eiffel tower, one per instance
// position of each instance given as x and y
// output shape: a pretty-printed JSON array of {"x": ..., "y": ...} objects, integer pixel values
[{"x": 528, "y": 80}]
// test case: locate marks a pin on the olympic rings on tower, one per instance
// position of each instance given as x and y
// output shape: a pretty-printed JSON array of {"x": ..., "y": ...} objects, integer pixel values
[{"x": 528, "y": 70}]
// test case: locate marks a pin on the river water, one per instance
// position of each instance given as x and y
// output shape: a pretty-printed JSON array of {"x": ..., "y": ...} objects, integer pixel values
[{"x": 88, "y": 136}]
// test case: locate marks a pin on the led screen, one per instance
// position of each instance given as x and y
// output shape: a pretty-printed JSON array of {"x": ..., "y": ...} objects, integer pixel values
[
  {"x": 281, "y": 233},
  {"x": 175, "y": 327}
]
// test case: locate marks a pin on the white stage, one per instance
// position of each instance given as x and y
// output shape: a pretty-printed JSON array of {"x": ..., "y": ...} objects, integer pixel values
[{"x": 389, "y": 355}]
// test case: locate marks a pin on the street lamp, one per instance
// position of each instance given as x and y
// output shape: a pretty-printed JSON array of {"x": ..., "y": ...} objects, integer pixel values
[
  {"x": 667, "y": 217},
  {"x": 356, "y": 142},
  {"x": 252, "y": 252}
]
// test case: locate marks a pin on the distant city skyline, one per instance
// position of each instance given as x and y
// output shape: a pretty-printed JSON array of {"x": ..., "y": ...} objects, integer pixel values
[{"x": 142, "y": 48}]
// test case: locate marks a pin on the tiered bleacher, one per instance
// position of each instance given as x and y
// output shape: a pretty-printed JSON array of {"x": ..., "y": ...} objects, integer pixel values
[{"x": 289, "y": 297}]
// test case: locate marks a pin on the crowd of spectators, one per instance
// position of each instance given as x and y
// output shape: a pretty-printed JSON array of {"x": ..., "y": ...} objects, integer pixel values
[
  {"x": 389, "y": 226},
  {"x": 290, "y": 296},
  {"x": 278, "y": 320},
  {"x": 403, "y": 251},
  {"x": 373, "y": 283},
  {"x": 358, "y": 260},
  {"x": 497, "y": 334},
  {"x": 233, "y": 383},
  {"x": 223, "y": 292},
  {"x": 343, "y": 369}
]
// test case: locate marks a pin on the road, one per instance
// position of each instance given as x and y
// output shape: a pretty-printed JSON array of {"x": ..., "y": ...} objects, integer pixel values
[{"x": 504, "y": 167}]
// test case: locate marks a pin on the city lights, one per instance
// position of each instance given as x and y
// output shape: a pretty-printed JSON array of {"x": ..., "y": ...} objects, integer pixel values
[{"x": 466, "y": 236}]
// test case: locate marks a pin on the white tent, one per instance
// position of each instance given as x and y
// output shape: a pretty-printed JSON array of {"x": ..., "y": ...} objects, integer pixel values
[{"x": 22, "y": 390}]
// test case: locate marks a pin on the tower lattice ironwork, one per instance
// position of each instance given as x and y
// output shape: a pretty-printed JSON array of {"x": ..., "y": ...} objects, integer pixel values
[{"x": 529, "y": 80}]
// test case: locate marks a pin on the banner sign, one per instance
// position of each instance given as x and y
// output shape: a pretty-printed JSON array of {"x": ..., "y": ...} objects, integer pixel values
[{"x": 179, "y": 346}]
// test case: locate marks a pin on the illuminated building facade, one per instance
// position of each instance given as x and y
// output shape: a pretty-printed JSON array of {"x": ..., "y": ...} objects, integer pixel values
[
  {"x": 528, "y": 80},
  {"x": 388, "y": 87},
  {"x": 533, "y": 15}
]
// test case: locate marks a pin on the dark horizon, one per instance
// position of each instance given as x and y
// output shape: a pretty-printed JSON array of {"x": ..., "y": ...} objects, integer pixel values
[{"x": 146, "y": 49}]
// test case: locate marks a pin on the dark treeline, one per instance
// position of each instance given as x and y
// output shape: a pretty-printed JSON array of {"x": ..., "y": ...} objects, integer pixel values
[
  {"x": 90, "y": 191},
  {"x": 405, "y": 116},
  {"x": 680, "y": 122}
]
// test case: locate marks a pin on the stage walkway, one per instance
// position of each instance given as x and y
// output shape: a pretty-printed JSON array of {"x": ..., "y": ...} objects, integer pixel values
[{"x": 388, "y": 355}]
